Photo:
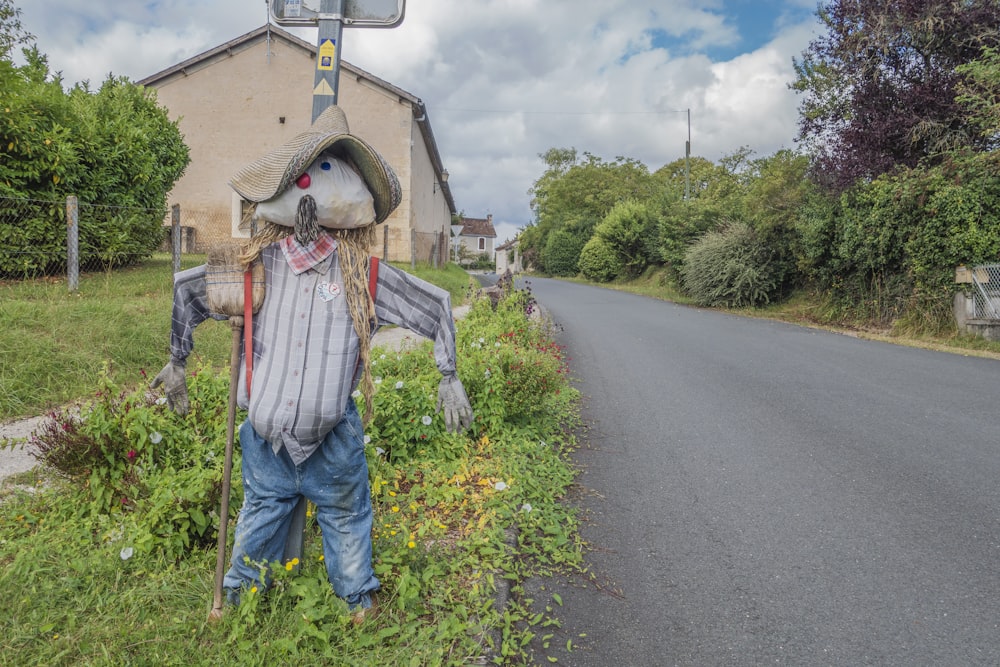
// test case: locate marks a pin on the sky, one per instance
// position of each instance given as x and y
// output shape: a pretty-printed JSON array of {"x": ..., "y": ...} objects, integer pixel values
[{"x": 506, "y": 80}]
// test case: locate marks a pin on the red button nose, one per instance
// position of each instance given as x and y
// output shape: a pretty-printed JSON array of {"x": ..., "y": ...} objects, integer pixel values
[{"x": 303, "y": 181}]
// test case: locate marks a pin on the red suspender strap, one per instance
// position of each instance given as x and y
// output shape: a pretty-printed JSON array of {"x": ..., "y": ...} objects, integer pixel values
[
  {"x": 248, "y": 325},
  {"x": 372, "y": 276}
]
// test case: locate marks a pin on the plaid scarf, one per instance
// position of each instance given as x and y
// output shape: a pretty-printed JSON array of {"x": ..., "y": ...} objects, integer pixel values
[{"x": 301, "y": 258}]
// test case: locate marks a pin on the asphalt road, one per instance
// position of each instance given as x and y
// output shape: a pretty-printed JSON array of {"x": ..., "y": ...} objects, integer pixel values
[{"x": 760, "y": 493}]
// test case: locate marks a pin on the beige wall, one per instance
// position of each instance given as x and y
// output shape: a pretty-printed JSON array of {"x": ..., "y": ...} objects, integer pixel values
[{"x": 229, "y": 108}]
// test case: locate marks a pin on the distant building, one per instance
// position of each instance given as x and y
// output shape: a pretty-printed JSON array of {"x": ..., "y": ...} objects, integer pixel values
[
  {"x": 239, "y": 100},
  {"x": 477, "y": 236},
  {"x": 508, "y": 257}
]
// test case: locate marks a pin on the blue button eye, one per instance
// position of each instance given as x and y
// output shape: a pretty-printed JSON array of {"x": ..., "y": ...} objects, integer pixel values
[{"x": 325, "y": 166}]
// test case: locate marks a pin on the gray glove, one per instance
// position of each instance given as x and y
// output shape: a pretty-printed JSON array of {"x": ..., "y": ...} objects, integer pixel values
[
  {"x": 174, "y": 382},
  {"x": 457, "y": 409}
]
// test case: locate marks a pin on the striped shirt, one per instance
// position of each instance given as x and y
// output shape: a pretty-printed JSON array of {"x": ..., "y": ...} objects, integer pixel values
[{"x": 304, "y": 344}]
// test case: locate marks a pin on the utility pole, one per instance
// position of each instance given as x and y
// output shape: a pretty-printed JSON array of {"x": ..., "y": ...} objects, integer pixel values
[{"x": 687, "y": 161}]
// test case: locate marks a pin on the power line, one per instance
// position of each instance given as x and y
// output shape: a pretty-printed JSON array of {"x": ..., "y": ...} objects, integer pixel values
[{"x": 565, "y": 113}]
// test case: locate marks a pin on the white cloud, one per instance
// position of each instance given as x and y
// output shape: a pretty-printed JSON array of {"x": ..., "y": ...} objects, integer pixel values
[{"x": 503, "y": 80}]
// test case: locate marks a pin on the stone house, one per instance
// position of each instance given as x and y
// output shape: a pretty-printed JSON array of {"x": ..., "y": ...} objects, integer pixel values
[
  {"x": 508, "y": 257},
  {"x": 478, "y": 236},
  {"x": 236, "y": 101}
]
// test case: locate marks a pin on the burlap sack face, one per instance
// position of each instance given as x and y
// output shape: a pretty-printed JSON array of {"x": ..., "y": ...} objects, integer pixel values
[
  {"x": 276, "y": 171},
  {"x": 342, "y": 198}
]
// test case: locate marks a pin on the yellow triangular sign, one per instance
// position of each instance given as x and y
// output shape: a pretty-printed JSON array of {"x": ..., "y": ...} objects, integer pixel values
[{"x": 323, "y": 88}]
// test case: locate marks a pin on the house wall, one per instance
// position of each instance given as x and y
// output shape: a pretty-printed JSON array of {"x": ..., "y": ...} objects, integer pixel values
[
  {"x": 471, "y": 244},
  {"x": 230, "y": 107}
]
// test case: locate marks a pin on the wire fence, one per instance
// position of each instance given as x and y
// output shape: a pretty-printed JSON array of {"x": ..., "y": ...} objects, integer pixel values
[
  {"x": 66, "y": 237},
  {"x": 986, "y": 292}
]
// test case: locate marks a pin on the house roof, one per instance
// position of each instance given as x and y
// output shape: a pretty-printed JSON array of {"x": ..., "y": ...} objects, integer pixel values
[
  {"x": 507, "y": 245},
  {"x": 478, "y": 227},
  {"x": 268, "y": 32}
]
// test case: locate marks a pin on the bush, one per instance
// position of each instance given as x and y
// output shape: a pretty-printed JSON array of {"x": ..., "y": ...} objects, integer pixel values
[
  {"x": 630, "y": 229},
  {"x": 141, "y": 469},
  {"x": 562, "y": 253},
  {"x": 730, "y": 267},
  {"x": 115, "y": 149},
  {"x": 599, "y": 261}
]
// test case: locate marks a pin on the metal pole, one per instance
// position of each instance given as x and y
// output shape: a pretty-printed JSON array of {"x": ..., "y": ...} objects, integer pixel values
[
  {"x": 326, "y": 83},
  {"x": 175, "y": 227},
  {"x": 72, "y": 243},
  {"x": 687, "y": 161},
  {"x": 325, "y": 87}
]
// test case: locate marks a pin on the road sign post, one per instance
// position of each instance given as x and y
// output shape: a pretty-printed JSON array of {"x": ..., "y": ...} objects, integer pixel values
[{"x": 331, "y": 17}]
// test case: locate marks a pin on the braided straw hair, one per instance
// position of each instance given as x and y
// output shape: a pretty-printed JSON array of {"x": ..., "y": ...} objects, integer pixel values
[{"x": 352, "y": 248}]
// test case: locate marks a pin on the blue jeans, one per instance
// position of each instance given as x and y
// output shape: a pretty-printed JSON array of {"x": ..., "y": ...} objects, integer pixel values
[{"x": 335, "y": 479}]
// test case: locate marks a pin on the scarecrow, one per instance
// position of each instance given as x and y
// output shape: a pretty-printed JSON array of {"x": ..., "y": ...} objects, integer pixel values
[{"x": 317, "y": 200}]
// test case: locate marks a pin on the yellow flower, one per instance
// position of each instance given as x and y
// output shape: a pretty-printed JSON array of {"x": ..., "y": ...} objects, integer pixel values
[
  {"x": 253, "y": 589},
  {"x": 295, "y": 561},
  {"x": 289, "y": 566},
  {"x": 392, "y": 494},
  {"x": 411, "y": 544},
  {"x": 48, "y": 142},
  {"x": 395, "y": 508},
  {"x": 321, "y": 557}
]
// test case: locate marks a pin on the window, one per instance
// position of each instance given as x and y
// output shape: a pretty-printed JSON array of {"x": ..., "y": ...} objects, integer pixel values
[{"x": 482, "y": 243}]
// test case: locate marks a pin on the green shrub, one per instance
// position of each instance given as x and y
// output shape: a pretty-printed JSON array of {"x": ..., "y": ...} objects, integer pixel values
[
  {"x": 143, "y": 470},
  {"x": 630, "y": 228},
  {"x": 599, "y": 261},
  {"x": 562, "y": 252},
  {"x": 730, "y": 267}
]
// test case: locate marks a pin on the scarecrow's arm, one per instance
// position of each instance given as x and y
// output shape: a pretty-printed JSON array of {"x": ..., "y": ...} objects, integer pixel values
[
  {"x": 425, "y": 309},
  {"x": 190, "y": 309},
  {"x": 419, "y": 306}
]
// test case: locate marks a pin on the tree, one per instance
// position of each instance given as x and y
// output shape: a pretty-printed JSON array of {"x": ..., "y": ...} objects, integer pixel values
[
  {"x": 575, "y": 194},
  {"x": 879, "y": 88},
  {"x": 979, "y": 93},
  {"x": 12, "y": 33},
  {"x": 630, "y": 229}
]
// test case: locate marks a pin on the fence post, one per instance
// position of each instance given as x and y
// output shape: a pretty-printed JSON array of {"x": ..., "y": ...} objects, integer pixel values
[
  {"x": 413, "y": 249},
  {"x": 175, "y": 230},
  {"x": 72, "y": 243}
]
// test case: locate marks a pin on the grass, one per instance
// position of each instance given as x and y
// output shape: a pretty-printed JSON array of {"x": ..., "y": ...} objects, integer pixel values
[{"x": 54, "y": 344}]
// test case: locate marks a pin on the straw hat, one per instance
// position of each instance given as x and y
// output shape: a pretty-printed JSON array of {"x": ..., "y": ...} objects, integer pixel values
[{"x": 271, "y": 174}]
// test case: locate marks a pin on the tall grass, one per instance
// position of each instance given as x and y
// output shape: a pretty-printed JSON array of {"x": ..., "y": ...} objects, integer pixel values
[{"x": 54, "y": 343}]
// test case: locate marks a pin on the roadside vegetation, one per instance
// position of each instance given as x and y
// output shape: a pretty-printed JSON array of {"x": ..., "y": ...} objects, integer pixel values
[
  {"x": 107, "y": 551},
  {"x": 892, "y": 188}
]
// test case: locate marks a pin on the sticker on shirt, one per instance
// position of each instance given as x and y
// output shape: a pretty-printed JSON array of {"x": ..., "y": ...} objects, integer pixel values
[{"x": 328, "y": 291}]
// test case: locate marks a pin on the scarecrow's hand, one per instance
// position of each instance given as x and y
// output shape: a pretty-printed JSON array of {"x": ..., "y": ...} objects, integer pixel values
[
  {"x": 457, "y": 409},
  {"x": 174, "y": 386}
]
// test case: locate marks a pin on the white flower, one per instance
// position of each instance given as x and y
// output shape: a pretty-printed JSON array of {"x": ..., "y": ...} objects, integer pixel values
[
  {"x": 382, "y": 357},
  {"x": 399, "y": 385},
  {"x": 155, "y": 437},
  {"x": 487, "y": 374},
  {"x": 526, "y": 507},
  {"x": 482, "y": 340},
  {"x": 542, "y": 443},
  {"x": 126, "y": 553},
  {"x": 378, "y": 380},
  {"x": 496, "y": 344},
  {"x": 356, "y": 393},
  {"x": 379, "y": 451},
  {"x": 161, "y": 400},
  {"x": 500, "y": 486},
  {"x": 426, "y": 419},
  {"x": 374, "y": 362},
  {"x": 368, "y": 439}
]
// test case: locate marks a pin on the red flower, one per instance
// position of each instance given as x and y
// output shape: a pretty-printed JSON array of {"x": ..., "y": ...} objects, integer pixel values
[{"x": 131, "y": 454}]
